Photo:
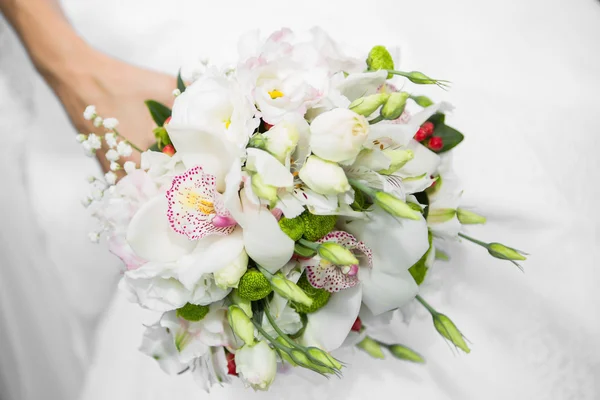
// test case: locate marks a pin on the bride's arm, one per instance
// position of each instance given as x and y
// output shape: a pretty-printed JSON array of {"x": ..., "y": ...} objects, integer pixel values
[{"x": 81, "y": 75}]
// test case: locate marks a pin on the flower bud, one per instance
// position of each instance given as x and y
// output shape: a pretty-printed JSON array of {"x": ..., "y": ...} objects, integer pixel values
[
  {"x": 192, "y": 312},
  {"x": 469, "y": 217},
  {"x": 229, "y": 276},
  {"x": 423, "y": 101},
  {"x": 440, "y": 215},
  {"x": 254, "y": 285},
  {"x": 324, "y": 177},
  {"x": 289, "y": 290},
  {"x": 242, "y": 325},
  {"x": 503, "y": 252},
  {"x": 263, "y": 190},
  {"x": 336, "y": 254},
  {"x": 338, "y": 135},
  {"x": 447, "y": 329},
  {"x": 244, "y": 304},
  {"x": 380, "y": 58},
  {"x": 404, "y": 353},
  {"x": 257, "y": 365},
  {"x": 398, "y": 158},
  {"x": 394, "y": 206},
  {"x": 394, "y": 107},
  {"x": 372, "y": 347},
  {"x": 324, "y": 358},
  {"x": 281, "y": 140},
  {"x": 368, "y": 105}
]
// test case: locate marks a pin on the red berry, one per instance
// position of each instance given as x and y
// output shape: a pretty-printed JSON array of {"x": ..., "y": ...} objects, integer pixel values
[
  {"x": 436, "y": 143},
  {"x": 420, "y": 135},
  {"x": 428, "y": 127},
  {"x": 169, "y": 150},
  {"x": 231, "y": 367},
  {"x": 357, "y": 325},
  {"x": 167, "y": 121}
]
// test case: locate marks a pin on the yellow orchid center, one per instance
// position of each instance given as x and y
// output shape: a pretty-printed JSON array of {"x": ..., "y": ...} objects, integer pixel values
[
  {"x": 275, "y": 94},
  {"x": 227, "y": 122},
  {"x": 198, "y": 202}
]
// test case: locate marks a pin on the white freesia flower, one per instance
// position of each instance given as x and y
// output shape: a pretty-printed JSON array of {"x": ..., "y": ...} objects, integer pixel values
[
  {"x": 229, "y": 276},
  {"x": 338, "y": 135},
  {"x": 324, "y": 177},
  {"x": 257, "y": 365}
]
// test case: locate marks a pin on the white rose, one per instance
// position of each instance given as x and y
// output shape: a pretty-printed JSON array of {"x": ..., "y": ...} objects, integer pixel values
[
  {"x": 324, "y": 177},
  {"x": 231, "y": 274},
  {"x": 257, "y": 365},
  {"x": 338, "y": 135}
]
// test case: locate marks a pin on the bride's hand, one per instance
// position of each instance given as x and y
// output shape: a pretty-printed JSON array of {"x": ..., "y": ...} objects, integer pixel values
[{"x": 82, "y": 76}]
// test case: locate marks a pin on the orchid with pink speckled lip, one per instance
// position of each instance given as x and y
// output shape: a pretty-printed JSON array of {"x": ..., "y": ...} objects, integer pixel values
[{"x": 323, "y": 274}]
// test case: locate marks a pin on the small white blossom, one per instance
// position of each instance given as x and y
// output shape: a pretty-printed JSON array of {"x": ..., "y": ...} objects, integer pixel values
[
  {"x": 93, "y": 141},
  {"x": 111, "y": 123},
  {"x": 87, "y": 148},
  {"x": 81, "y": 138},
  {"x": 111, "y": 140},
  {"x": 129, "y": 166},
  {"x": 86, "y": 201},
  {"x": 94, "y": 237},
  {"x": 124, "y": 149},
  {"x": 98, "y": 122},
  {"x": 112, "y": 190},
  {"x": 176, "y": 92},
  {"x": 91, "y": 178},
  {"x": 115, "y": 166},
  {"x": 97, "y": 194},
  {"x": 112, "y": 155},
  {"x": 111, "y": 177},
  {"x": 89, "y": 113}
]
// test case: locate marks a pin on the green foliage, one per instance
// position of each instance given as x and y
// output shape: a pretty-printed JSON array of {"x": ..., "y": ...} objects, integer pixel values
[
  {"x": 380, "y": 58},
  {"x": 450, "y": 136},
  {"x": 158, "y": 111},
  {"x": 192, "y": 312},
  {"x": 419, "y": 270},
  {"x": 320, "y": 297},
  {"x": 254, "y": 285},
  {"x": 180, "y": 83}
]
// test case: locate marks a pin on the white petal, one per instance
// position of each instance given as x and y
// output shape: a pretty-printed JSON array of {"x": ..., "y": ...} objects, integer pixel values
[
  {"x": 206, "y": 149},
  {"x": 151, "y": 237},
  {"x": 264, "y": 241},
  {"x": 401, "y": 134},
  {"x": 289, "y": 205},
  {"x": 425, "y": 161},
  {"x": 362, "y": 84},
  {"x": 328, "y": 327},
  {"x": 269, "y": 168},
  {"x": 211, "y": 254},
  {"x": 396, "y": 246}
]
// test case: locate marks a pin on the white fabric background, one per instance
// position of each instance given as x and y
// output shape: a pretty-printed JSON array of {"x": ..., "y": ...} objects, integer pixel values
[{"x": 525, "y": 80}]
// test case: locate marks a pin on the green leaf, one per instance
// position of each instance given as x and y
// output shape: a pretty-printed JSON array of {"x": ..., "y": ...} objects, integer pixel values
[
  {"x": 437, "y": 119},
  {"x": 419, "y": 270},
  {"x": 180, "y": 83},
  {"x": 440, "y": 255},
  {"x": 154, "y": 147},
  {"x": 303, "y": 251},
  {"x": 159, "y": 111},
  {"x": 423, "y": 199},
  {"x": 449, "y": 135}
]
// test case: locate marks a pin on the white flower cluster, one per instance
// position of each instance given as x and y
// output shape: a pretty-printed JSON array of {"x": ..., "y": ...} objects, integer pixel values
[{"x": 297, "y": 130}]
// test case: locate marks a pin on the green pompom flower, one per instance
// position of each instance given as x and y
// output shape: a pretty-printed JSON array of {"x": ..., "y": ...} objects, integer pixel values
[
  {"x": 320, "y": 297},
  {"x": 380, "y": 58},
  {"x": 254, "y": 285},
  {"x": 192, "y": 312},
  {"x": 317, "y": 226},
  {"x": 293, "y": 227}
]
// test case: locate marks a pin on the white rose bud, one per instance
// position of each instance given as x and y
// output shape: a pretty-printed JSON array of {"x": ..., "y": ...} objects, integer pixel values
[
  {"x": 324, "y": 177},
  {"x": 257, "y": 365},
  {"x": 281, "y": 140},
  {"x": 338, "y": 135},
  {"x": 229, "y": 276}
]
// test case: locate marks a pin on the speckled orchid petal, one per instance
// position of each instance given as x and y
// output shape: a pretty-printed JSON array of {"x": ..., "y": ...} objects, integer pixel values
[{"x": 193, "y": 203}]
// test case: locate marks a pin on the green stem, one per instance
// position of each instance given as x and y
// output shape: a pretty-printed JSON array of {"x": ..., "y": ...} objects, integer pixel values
[
  {"x": 362, "y": 187},
  {"x": 309, "y": 244},
  {"x": 426, "y": 305},
  {"x": 278, "y": 330},
  {"x": 470, "y": 239},
  {"x": 128, "y": 142},
  {"x": 376, "y": 120}
]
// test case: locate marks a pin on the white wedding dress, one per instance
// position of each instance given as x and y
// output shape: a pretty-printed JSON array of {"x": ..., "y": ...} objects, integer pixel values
[{"x": 526, "y": 76}]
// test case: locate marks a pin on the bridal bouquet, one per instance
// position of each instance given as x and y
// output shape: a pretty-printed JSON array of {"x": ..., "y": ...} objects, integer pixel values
[{"x": 288, "y": 202}]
